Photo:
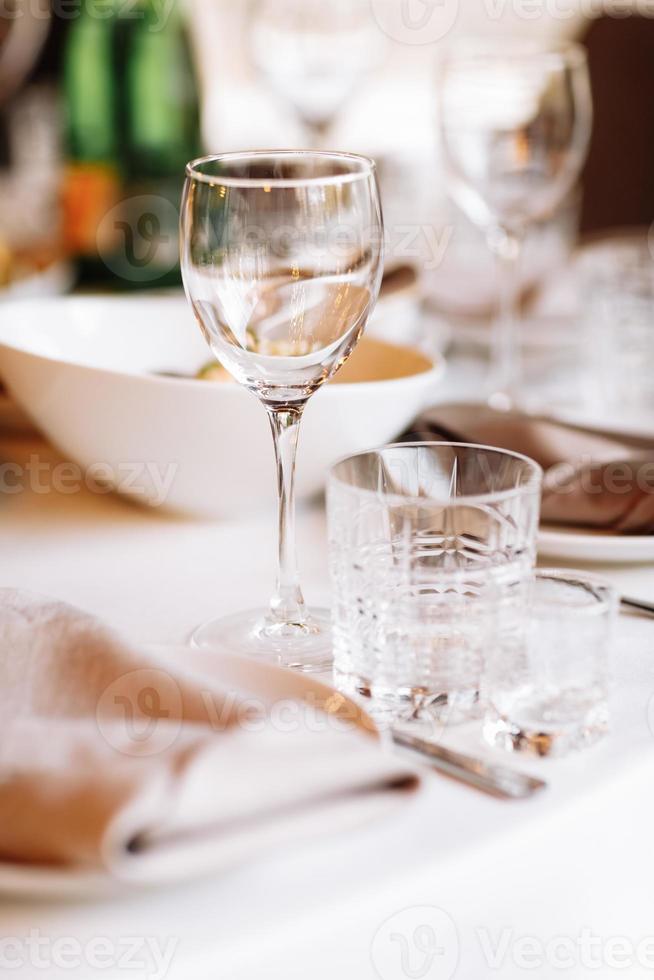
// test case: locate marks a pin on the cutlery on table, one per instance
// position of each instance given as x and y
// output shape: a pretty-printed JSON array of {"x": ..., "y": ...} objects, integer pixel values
[
  {"x": 647, "y": 607},
  {"x": 498, "y": 780}
]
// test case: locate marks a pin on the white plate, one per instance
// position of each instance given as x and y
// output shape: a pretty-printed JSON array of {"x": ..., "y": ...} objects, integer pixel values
[
  {"x": 46, "y": 883},
  {"x": 595, "y": 546},
  {"x": 600, "y": 546},
  {"x": 67, "y": 884},
  {"x": 628, "y": 423}
]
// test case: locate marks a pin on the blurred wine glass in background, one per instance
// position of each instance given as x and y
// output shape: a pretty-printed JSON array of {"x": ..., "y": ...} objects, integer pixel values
[
  {"x": 515, "y": 120},
  {"x": 314, "y": 55}
]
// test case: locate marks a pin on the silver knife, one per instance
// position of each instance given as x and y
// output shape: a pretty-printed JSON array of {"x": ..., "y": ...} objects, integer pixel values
[
  {"x": 498, "y": 780},
  {"x": 647, "y": 607}
]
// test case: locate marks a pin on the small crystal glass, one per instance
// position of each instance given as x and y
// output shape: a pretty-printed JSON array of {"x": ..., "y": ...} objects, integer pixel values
[
  {"x": 549, "y": 693},
  {"x": 432, "y": 547}
]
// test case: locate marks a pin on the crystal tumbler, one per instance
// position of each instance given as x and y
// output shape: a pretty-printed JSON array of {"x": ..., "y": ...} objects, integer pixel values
[{"x": 432, "y": 547}]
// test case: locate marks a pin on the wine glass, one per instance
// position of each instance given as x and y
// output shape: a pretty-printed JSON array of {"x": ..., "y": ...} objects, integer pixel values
[
  {"x": 281, "y": 257},
  {"x": 514, "y": 123},
  {"x": 313, "y": 54}
]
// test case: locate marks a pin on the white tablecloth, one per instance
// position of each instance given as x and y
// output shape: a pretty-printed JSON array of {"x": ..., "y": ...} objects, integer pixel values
[{"x": 561, "y": 884}]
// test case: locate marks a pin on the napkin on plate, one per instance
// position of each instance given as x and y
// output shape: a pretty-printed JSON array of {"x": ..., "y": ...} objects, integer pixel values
[
  {"x": 593, "y": 479},
  {"x": 140, "y": 763}
]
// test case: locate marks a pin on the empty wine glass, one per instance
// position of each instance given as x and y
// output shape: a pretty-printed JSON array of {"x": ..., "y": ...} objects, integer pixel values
[
  {"x": 282, "y": 261},
  {"x": 313, "y": 54},
  {"x": 515, "y": 121}
]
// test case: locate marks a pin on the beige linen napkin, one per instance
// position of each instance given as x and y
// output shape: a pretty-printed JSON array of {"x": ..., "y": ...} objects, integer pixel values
[
  {"x": 143, "y": 763},
  {"x": 593, "y": 479}
]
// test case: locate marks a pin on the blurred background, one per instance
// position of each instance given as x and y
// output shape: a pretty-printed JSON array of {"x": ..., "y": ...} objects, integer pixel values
[{"x": 103, "y": 102}]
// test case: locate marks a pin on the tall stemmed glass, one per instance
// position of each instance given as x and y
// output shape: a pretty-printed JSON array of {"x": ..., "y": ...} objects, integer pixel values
[
  {"x": 314, "y": 54},
  {"x": 515, "y": 120},
  {"x": 282, "y": 261}
]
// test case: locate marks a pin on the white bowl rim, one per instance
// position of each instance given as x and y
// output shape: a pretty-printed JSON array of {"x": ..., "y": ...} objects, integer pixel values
[
  {"x": 434, "y": 373},
  {"x": 431, "y": 374}
]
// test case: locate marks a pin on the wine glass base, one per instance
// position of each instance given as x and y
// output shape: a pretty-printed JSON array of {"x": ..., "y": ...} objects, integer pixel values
[
  {"x": 307, "y": 647},
  {"x": 501, "y": 401}
]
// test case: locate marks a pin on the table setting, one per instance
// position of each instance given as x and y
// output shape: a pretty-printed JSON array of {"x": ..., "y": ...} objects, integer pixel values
[{"x": 402, "y": 726}]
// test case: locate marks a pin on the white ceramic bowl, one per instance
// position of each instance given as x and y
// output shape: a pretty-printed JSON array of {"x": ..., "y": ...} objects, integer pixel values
[{"x": 83, "y": 368}]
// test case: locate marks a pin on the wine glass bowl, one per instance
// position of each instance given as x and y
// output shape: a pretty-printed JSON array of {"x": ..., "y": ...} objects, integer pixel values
[
  {"x": 282, "y": 263},
  {"x": 314, "y": 54},
  {"x": 279, "y": 275}
]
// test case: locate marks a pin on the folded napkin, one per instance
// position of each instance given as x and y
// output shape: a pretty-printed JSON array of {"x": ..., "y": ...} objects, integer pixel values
[
  {"x": 593, "y": 479},
  {"x": 144, "y": 763}
]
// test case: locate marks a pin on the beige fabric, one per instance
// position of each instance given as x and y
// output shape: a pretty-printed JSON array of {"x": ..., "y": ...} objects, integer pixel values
[
  {"x": 593, "y": 479},
  {"x": 115, "y": 758}
]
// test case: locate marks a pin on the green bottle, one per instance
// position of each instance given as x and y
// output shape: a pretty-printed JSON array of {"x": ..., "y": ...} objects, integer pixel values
[
  {"x": 133, "y": 125},
  {"x": 92, "y": 182}
]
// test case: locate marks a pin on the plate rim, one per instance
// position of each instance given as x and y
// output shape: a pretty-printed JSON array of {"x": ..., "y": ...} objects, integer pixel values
[{"x": 611, "y": 547}]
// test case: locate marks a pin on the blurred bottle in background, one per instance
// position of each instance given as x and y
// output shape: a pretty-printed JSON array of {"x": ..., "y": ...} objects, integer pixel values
[
  {"x": 30, "y": 150},
  {"x": 132, "y": 123}
]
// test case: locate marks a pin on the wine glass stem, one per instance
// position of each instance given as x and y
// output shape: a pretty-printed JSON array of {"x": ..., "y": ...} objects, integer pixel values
[
  {"x": 506, "y": 366},
  {"x": 287, "y": 605},
  {"x": 318, "y": 131}
]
